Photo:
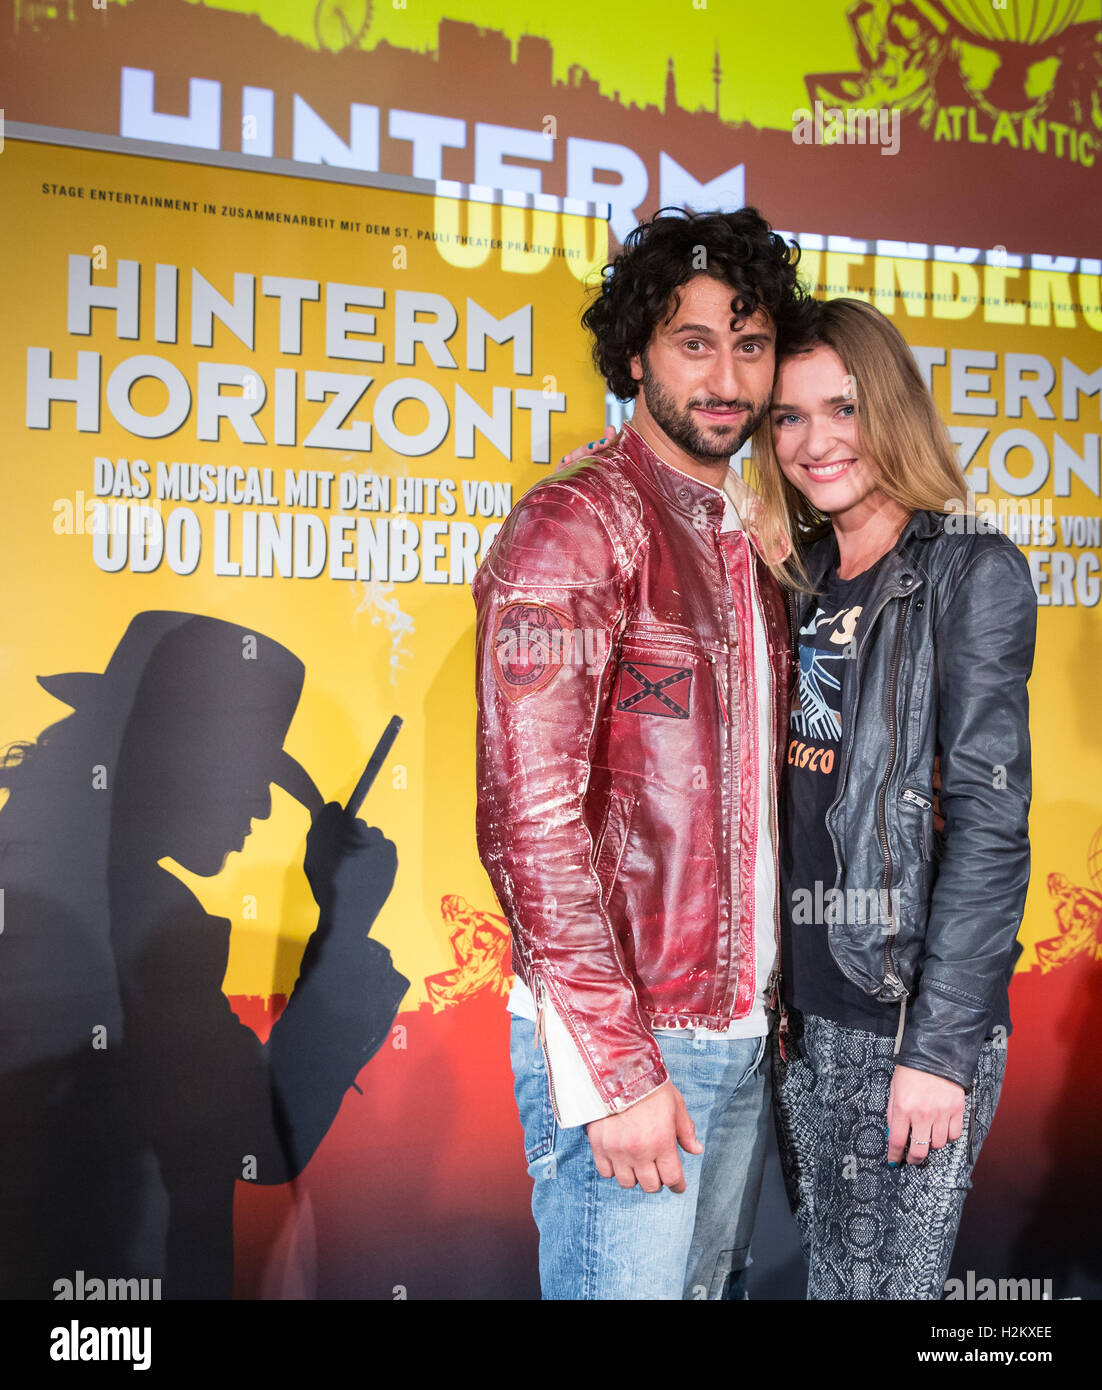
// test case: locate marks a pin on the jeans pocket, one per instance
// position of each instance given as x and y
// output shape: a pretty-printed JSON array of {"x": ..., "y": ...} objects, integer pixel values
[
  {"x": 532, "y": 1091},
  {"x": 761, "y": 1058},
  {"x": 754, "y": 1058},
  {"x": 727, "y": 1062}
]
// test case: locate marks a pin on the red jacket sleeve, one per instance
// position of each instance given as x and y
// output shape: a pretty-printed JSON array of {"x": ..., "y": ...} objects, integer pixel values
[{"x": 551, "y": 597}]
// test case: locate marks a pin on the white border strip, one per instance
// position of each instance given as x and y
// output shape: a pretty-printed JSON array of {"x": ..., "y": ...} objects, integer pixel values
[{"x": 293, "y": 168}]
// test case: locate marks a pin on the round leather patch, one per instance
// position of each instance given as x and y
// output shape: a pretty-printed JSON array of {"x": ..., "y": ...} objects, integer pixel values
[{"x": 532, "y": 642}]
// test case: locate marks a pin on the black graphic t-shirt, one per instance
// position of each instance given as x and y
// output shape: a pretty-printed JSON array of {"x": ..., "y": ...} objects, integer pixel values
[{"x": 813, "y": 983}]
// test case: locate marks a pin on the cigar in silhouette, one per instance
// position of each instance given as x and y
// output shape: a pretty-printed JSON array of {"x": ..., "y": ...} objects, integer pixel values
[
  {"x": 374, "y": 763},
  {"x": 294, "y": 778}
]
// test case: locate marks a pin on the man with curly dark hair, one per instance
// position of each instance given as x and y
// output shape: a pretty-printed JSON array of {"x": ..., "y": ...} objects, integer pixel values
[
  {"x": 659, "y": 257},
  {"x": 633, "y": 678}
]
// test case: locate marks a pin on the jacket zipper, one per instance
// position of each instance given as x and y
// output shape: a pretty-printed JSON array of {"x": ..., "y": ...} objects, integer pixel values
[
  {"x": 924, "y": 803},
  {"x": 541, "y": 1036},
  {"x": 863, "y": 642},
  {"x": 719, "y": 693},
  {"x": 790, "y": 609},
  {"x": 773, "y": 983},
  {"x": 776, "y": 997},
  {"x": 729, "y": 603},
  {"x": 890, "y": 976}
]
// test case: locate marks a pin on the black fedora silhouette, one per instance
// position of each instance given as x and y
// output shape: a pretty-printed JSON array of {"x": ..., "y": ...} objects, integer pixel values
[
  {"x": 187, "y": 667},
  {"x": 132, "y": 1099}
]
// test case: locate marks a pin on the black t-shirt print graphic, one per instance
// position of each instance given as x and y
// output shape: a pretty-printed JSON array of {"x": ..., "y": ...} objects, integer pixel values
[
  {"x": 826, "y": 640},
  {"x": 813, "y": 982}
]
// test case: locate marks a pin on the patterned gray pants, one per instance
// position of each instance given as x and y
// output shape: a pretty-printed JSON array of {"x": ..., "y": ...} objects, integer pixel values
[{"x": 869, "y": 1231}]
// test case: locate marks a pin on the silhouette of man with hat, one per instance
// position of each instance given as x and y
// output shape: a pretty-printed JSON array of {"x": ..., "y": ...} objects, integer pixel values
[{"x": 131, "y": 1097}]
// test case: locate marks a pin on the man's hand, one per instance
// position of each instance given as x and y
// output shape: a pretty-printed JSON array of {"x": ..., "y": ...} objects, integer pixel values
[
  {"x": 640, "y": 1145},
  {"x": 596, "y": 446},
  {"x": 350, "y": 867},
  {"x": 928, "y": 1107}
]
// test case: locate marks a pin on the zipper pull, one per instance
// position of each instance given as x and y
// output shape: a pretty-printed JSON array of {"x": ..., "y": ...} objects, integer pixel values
[
  {"x": 719, "y": 692},
  {"x": 916, "y": 799},
  {"x": 538, "y": 994},
  {"x": 899, "y": 1030}
]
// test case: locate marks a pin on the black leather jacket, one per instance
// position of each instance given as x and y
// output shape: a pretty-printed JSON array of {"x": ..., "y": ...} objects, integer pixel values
[{"x": 944, "y": 650}]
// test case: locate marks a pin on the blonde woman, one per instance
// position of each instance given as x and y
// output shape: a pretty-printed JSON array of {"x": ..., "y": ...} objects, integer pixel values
[{"x": 914, "y": 625}]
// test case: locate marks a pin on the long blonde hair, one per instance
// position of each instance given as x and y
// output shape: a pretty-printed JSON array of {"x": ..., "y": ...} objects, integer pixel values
[{"x": 900, "y": 429}]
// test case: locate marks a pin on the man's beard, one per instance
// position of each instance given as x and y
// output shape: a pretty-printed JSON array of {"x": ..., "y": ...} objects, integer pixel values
[{"x": 718, "y": 443}]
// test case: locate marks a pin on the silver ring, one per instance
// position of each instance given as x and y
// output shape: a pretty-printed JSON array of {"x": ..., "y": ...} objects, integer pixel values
[{"x": 924, "y": 1142}]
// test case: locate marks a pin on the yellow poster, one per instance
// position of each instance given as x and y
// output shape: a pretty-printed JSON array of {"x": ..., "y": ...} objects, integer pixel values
[{"x": 302, "y": 405}]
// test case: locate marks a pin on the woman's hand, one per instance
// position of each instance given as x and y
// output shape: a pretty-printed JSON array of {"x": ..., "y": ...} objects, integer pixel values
[
  {"x": 928, "y": 1108},
  {"x": 597, "y": 446}
]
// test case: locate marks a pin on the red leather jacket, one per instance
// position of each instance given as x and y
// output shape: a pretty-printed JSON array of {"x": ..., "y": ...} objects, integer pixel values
[{"x": 617, "y": 758}]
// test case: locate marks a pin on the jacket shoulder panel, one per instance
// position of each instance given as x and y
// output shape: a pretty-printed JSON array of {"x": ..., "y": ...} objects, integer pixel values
[
  {"x": 987, "y": 553},
  {"x": 582, "y": 525}
]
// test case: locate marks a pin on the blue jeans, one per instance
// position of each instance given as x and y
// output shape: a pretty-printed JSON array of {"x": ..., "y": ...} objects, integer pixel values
[{"x": 600, "y": 1241}]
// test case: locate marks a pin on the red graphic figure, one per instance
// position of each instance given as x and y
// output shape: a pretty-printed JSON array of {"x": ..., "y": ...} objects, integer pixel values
[
  {"x": 1079, "y": 915},
  {"x": 919, "y": 55},
  {"x": 480, "y": 944}
]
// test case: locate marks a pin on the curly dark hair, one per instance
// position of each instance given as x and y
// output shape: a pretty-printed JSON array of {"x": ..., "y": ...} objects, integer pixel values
[{"x": 659, "y": 256}]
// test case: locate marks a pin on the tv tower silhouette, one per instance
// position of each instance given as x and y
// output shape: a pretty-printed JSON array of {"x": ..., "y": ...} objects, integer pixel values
[{"x": 717, "y": 77}]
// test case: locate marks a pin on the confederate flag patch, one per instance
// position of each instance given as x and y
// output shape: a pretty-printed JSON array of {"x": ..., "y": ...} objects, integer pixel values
[
  {"x": 649, "y": 689},
  {"x": 532, "y": 641}
]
